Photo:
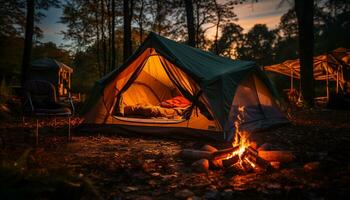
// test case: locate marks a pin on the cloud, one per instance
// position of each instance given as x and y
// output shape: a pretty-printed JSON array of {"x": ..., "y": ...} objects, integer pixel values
[{"x": 266, "y": 12}]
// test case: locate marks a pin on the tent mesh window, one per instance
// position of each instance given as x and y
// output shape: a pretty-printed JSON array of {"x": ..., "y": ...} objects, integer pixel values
[{"x": 151, "y": 94}]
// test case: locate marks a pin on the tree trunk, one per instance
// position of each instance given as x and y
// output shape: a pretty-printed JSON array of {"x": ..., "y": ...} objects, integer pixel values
[
  {"x": 104, "y": 45},
  {"x": 127, "y": 29},
  {"x": 305, "y": 13},
  {"x": 109, "y": 23},
  {"x": 113, "y": 35},
  {"x": 141, "y": 21},
  {"x": 217, "y": 27},
  {"x": 197, "y": 25},
  {"x": 28, "y": 41},
  {"x": 190, "y": 23},
  {"x": 98, "y": 60}
]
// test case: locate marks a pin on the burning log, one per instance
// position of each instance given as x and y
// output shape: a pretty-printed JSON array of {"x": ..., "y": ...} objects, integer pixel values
[
  {"x": 221, "y": 154},
  {"x": 277, "y": 156},
  {"x": 231, "y": 161},
  {"x": 261, "y": 163}
]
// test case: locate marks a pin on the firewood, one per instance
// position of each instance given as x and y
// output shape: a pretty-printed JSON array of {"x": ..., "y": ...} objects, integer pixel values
[
  {"x": 196, "y": 154},
  {"x": 229, "y": 162},
  {"x": 209, "y": 148},
  {"x": 278, "y": 156},
  {"x": 252, "y": 150},
  {"x": 261, "y": 163},
  {"x": 224, "y": 152}
]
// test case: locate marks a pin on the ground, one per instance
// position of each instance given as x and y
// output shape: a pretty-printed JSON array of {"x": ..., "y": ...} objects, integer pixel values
[{"x": 144, "y": 167}]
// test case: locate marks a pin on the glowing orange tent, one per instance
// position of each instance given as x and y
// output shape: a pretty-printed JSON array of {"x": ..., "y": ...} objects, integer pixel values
[{"x": 173, "y": 89}]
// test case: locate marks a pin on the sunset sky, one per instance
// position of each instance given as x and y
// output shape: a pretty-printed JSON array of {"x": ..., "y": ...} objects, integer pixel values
[{"x": 263, "y": 12}]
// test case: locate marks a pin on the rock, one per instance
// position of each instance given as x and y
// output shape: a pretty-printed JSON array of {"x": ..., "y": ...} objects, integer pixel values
[
  {"x": 130, "y": 189},
  {"x": 217, "y": 163},
  {"x": 143, "y": 198},
  {"x": 212, "y": 195},
  {"x": 152, "y": 183},
  {"x": 311, "y": 166},
  {"x": 227, "y": 194},
  {"x": 254, "y": 145},
  {"x": 201, "y": 165},
  {"x": 184, "y": 194},
  {"x": 275, "y": 164},
  {"x": 194, "y": 198},
  {"x": 209, "y": 148},
  {"x": 266, "y": 147},
  {"x": 276, "y": 156},
  {"x": 273, "y": 186}
]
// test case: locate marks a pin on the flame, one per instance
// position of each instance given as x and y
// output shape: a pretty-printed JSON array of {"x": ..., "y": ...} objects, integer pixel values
[{"x": 241, "y": 140}]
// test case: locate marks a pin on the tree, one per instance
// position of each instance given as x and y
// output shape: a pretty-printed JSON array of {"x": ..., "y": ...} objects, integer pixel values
[
  {"x": 90, "y": 23},
  {"x": 190, "y": 23},
  {"x": 230, "y": 38},
  {"x": 51, "y": 50},
  {"x": 305, "y": 15},
  {"x": 28, "y": 41},
  {"x": 140, "y": 7},
  {"x": 224, "y": 14},
  {"x": 128, "y": 12},
  {"x": 113, "y": 35},
  {"x": 257, "y": 45},
  {"x": 12, "y": 20}
]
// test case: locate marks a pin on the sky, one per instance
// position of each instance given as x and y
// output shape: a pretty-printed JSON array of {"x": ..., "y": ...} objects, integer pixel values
[{"x": 266, "y": 12}]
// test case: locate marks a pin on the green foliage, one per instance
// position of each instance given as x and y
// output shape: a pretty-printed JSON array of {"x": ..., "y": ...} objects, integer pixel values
[
  {"x": 24, "y": 179},
  {"x": 257, "y": 45},
  {"x": 231, "y": 37},
  {"x": 50, "y": 50},
  {"x": 10, "y": 56},
  {"x": 86, "y": 72}
]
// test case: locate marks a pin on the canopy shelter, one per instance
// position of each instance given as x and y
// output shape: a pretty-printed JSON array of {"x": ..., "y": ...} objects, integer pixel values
[
  {"x": 333, "y": 66},
  {"x": 173, "y": 89},
  {"x": 55, "y": 72}
]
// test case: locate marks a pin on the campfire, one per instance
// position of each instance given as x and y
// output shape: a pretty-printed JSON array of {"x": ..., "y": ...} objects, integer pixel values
[{"x": 243, "y": 154}]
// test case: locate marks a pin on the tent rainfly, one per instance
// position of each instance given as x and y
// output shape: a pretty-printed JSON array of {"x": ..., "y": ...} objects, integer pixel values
[{"x": 173, "y": 89}]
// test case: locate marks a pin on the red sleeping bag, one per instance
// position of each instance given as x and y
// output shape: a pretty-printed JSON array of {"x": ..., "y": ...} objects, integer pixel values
[{"x": 176, "y": 102}]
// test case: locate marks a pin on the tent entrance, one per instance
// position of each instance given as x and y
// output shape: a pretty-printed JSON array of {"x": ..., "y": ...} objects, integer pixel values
[{"x": 152, "y": 97}]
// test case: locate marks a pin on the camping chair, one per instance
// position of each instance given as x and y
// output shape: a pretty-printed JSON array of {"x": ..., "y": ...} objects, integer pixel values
[{"x": 41, "y": 101}]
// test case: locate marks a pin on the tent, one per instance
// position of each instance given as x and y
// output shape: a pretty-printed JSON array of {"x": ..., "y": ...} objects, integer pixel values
[
  {"x": 332, "y": 66},
  {"x": 162, "y": 72},
  {"x": 55, "y": 72}
]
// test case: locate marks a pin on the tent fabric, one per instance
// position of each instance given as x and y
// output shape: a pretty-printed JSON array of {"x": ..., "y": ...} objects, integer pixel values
[
  {"x": 49, "y": 63},
  {"x": 207, "y": 80},
  {"x": 53, "y": 71},
  {"x": 260, "y": 109},
  {"x": 329, "y": 66}
]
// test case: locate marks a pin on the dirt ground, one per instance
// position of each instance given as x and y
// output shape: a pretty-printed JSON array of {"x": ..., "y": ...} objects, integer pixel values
[{"x": 129, "y": 167}]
